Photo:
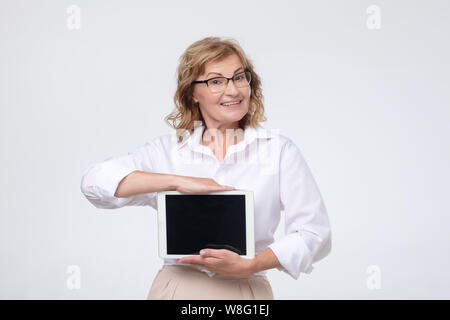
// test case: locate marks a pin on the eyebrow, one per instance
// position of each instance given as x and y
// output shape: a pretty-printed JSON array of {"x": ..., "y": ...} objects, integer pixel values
[{"x": 221, "y": 74}]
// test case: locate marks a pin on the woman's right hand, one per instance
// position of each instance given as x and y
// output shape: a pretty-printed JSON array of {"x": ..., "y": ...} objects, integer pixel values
[{"x": 186, "y": 184}]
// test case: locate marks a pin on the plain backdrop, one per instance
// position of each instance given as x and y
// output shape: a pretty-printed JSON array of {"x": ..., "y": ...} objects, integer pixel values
[{"x": 369, "y": 109}]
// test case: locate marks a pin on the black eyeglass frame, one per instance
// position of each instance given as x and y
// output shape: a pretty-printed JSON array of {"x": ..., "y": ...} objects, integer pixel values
[{"x": 228, "y": 79}]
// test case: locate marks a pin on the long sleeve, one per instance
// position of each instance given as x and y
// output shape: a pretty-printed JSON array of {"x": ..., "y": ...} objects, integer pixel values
[
  {"x": 100, "y": 180},
  {"x": 307, "y": 230}
]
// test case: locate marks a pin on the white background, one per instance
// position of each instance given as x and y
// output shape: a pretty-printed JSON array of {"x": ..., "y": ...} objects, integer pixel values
[{"x": 369, "y": 110}]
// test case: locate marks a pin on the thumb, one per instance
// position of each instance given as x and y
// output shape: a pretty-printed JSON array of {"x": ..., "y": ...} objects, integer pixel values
[{"x": 217, "y": 253}]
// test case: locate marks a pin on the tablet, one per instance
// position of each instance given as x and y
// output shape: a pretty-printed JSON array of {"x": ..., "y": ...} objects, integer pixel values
[{"x": 189, "y": 222}]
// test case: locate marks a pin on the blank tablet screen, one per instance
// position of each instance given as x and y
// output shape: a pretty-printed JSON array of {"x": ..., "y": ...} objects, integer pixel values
[{"x": 195, "y": 222}]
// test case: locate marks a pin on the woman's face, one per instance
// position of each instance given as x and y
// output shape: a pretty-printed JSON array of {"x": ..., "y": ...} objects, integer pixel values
[{"x": 215, "y": 114}]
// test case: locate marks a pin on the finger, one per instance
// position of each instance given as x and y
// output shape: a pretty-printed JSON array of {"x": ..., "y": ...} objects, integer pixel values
[
  {"x": 191, "y": 260},
  {"x": 211, "y": 263},
  {"x": 226, "y": 188}
]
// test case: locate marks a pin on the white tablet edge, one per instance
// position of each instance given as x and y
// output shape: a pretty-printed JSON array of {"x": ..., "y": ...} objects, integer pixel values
[{"x": 249, "y": 222}]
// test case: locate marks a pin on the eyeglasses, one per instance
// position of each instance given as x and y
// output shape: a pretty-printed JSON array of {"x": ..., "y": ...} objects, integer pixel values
[{"x": 219, "y": 84}]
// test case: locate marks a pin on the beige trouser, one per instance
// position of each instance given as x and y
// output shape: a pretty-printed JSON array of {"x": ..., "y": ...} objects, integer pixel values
[{"x": 187, "y": 283}]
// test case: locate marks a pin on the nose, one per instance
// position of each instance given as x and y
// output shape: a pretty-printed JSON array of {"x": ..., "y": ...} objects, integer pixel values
[{"x": 231, "y": 89}]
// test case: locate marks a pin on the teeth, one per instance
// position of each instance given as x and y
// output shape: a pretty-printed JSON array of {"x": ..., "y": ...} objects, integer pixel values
[{"x": 230, "y": 104}]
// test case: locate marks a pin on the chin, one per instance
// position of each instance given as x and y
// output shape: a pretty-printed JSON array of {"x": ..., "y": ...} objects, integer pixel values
[{"x": 236, "y": 116}]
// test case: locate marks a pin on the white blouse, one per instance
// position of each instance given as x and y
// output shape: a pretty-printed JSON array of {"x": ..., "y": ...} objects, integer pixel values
[{"x": 266, "y": 162}]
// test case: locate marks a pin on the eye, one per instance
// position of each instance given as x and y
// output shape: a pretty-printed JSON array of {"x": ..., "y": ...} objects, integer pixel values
[{"x": 216, "y": 81}]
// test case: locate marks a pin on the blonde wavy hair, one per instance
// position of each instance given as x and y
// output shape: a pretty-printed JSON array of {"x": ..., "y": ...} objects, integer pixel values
[{"x": 192, "y": 64}]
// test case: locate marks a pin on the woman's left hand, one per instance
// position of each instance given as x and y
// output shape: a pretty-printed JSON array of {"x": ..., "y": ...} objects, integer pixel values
[{"x": 221, "y": 261}]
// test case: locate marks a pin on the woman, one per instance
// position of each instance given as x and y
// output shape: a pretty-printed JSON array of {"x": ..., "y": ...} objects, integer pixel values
[{"x": 220, "y": 145}]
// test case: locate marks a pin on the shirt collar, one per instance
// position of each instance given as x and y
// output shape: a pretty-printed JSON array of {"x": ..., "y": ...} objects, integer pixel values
[{"x": 193, "y": 141}]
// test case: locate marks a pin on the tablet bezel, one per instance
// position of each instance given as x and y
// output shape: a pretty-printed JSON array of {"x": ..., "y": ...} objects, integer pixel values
[{"x": 249, "y": 221}]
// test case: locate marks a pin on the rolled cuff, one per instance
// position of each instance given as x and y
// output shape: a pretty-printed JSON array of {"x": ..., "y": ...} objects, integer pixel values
[
  {"x": 293, "y": 254},
  {"x": 100, "y": 182}
]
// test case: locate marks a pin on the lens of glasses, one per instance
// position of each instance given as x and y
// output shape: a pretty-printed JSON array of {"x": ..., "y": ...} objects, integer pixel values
[{"x": 240, "y": 80}]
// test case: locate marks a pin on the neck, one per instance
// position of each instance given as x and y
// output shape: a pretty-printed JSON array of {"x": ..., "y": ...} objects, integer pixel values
[
  {"x": 217, "y": 138},
  {"x": 223, "y": 128}
]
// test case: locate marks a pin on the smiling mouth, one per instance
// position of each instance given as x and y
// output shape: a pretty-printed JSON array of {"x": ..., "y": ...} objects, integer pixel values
[{"x": 231, "y": 104}]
